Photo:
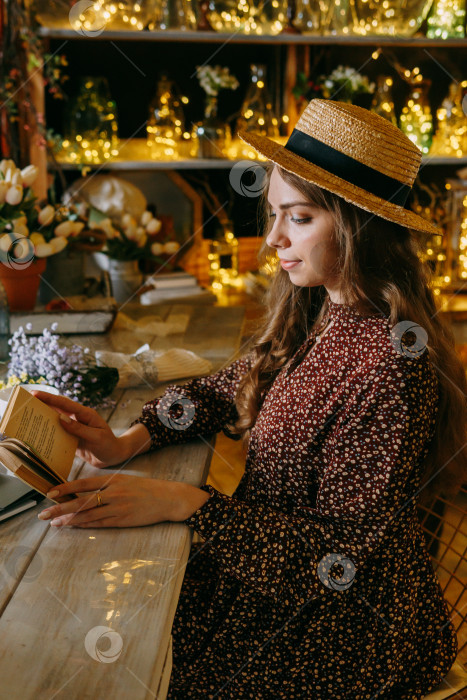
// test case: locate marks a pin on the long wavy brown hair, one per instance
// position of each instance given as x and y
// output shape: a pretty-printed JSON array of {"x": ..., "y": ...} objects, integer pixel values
[{"x": 380, "y": 268}]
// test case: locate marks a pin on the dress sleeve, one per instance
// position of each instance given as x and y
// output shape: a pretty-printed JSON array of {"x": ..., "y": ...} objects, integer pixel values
[
  {"x": 371, "y": 469},
  {"x": 202, "y": 406}
]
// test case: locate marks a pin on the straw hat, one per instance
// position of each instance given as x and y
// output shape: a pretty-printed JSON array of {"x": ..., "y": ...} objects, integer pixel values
[{"x": 353, "y": 153}]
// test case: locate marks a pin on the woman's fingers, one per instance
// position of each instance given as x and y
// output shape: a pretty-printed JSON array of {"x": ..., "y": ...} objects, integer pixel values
[
  {"x": 83, "y": 431},
  {"x": 91, "y": 483},
  {"x": 83, "y": 426},
  {"x": 83, "y": 517},
  {"x": 91, "y": 429},
  {"x": 105, "y": 522},
  {"x": 123, "y": 501},
  {"x": 84, "y": 414},
  {"x": 77, "y": 505}
]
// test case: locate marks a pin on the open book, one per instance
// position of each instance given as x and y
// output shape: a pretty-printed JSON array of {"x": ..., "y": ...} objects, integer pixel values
[{"x": 34, "y": 446}]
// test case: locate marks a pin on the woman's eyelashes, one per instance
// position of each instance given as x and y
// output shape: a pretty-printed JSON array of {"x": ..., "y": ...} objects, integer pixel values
[
  {"x": 293, "y": 219},
  {"x": 301, "y": 221}
]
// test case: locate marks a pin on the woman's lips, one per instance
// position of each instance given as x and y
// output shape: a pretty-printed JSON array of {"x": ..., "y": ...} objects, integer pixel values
[{"x": 289, "y": 264}]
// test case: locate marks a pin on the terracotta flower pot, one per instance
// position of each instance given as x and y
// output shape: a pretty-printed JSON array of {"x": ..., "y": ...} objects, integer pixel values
[{"x": 21, "y": 285}]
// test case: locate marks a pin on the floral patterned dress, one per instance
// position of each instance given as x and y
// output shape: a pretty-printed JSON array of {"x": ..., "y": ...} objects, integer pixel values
[{"x": 313, "y": 580}]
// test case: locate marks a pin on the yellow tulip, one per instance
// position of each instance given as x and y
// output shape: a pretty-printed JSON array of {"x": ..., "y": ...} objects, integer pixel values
[
  {"x": 43, "y": 250},
  {"x": 29, "y": 174},
  {"x": 20, "y": 226},
  {"x": 14, "y": 195},
  {"x": 5, "y": 242},
  {"x": 46, "y": 215},
  {"x": 128, "y": 221},
  {"x": 58, "y": 244},
  {"x": 157, "y": 248},
  {"x": 5, "y": 164},
  {"x": 77, "y": 227},
  {"x": 154, "y": 226},
  {"x": 22, "y": 229},
  {"x": 64, "y": 229},
  {"x": 17, "y": 179},
  {"x": 141, "y": 242},
  {"x": 10, "y": 173},
  {"x": 146, "y": 218},
  {"x": 171, "y": 247},
  {"x": 36, "y": 238}
]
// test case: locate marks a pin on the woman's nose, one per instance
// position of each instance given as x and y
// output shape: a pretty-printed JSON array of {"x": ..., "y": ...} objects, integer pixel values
[{"x": 276, "y": 237}]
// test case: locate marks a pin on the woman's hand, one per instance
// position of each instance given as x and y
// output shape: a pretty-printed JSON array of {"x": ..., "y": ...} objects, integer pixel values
[
  {"x": 126, "y": 501},
  {"x": 97, "y": 443}
]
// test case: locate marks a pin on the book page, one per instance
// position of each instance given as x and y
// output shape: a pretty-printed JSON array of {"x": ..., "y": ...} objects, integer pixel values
[{"x": 32, "y": 421}]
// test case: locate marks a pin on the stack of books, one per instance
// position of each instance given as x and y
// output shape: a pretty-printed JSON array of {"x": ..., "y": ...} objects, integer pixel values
[
  {"x": 15, "y": 497},
  {"x": 174, "y": 285}
]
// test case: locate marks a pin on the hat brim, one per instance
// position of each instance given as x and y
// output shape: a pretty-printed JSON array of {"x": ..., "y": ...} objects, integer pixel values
[{"x": 293, "y": 163}]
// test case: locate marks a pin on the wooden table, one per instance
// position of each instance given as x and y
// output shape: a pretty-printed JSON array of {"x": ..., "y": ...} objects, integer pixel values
[{"x": 57, "y": 586}]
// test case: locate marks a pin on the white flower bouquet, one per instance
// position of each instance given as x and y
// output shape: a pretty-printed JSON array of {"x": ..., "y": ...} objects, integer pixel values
[
  {"x": 215, "y": 78},
  {"x": 28, "y": 231},
  {"x": 70, "y": 368},
  {"x": 132, "y": 239},
  {"x": 344, "y": 83}
]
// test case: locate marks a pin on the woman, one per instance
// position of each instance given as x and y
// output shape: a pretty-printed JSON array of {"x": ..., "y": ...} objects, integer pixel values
[{"x": 313, "y": 580}]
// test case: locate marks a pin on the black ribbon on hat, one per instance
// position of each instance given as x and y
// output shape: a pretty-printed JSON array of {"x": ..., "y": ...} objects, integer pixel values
[{"x": 347, "y": 168}]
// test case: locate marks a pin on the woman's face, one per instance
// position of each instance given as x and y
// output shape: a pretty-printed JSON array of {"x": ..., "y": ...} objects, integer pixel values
[{"x": 302, "y": 233}]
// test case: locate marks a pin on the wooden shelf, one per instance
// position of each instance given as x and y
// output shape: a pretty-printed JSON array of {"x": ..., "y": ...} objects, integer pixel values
[
  {"x": 204, "y": 164},
  {"x": 192, "y": 164},
  {"x": 444, "y": 160},
  {"x": 239, "y": 38},
  {"x": 134, "y": 154}
]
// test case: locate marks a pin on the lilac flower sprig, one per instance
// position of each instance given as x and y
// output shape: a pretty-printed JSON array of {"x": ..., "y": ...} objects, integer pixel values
[{"x": 68, "y": 367}]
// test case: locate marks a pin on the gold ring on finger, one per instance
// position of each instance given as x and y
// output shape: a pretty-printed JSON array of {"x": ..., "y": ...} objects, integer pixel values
[{"x": 99, "y": 498}]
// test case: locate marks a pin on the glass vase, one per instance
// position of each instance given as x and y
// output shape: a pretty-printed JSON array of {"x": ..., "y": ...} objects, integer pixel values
[
  {"x": 310, "y": 16},
  {"x": 166, "y": 121},
  {"x": 382, "y": 102},
  {"x": 95, "y": 17},
  {"x": 172, "y": 14},
  {"x": 52, "y": 13},
  {"x": 229, "y": 15},
  {"x": 390, "y": 17},
  {"x": 223, "y": 258},
  {"x": 338, "y": 17},
  {"x": 212, "y": 134},
  {"x": 416, "y": 120},
  {"x": 125, "y": 14},
  {"x": 256, "y": 112},
  {"x": 447, "y": 20},
  {"x": 267, "y": 17},
  {"x": 435, "y": 256},
  {"x": 450, "y": 138},
  {"x": 91, "y": 125},
  {"x": 456, "y": 205}
]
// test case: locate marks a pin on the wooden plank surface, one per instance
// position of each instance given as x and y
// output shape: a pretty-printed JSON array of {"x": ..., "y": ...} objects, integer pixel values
[
  {"x": 166, "y": 673},
  {"x": 73, "y": 581}
]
